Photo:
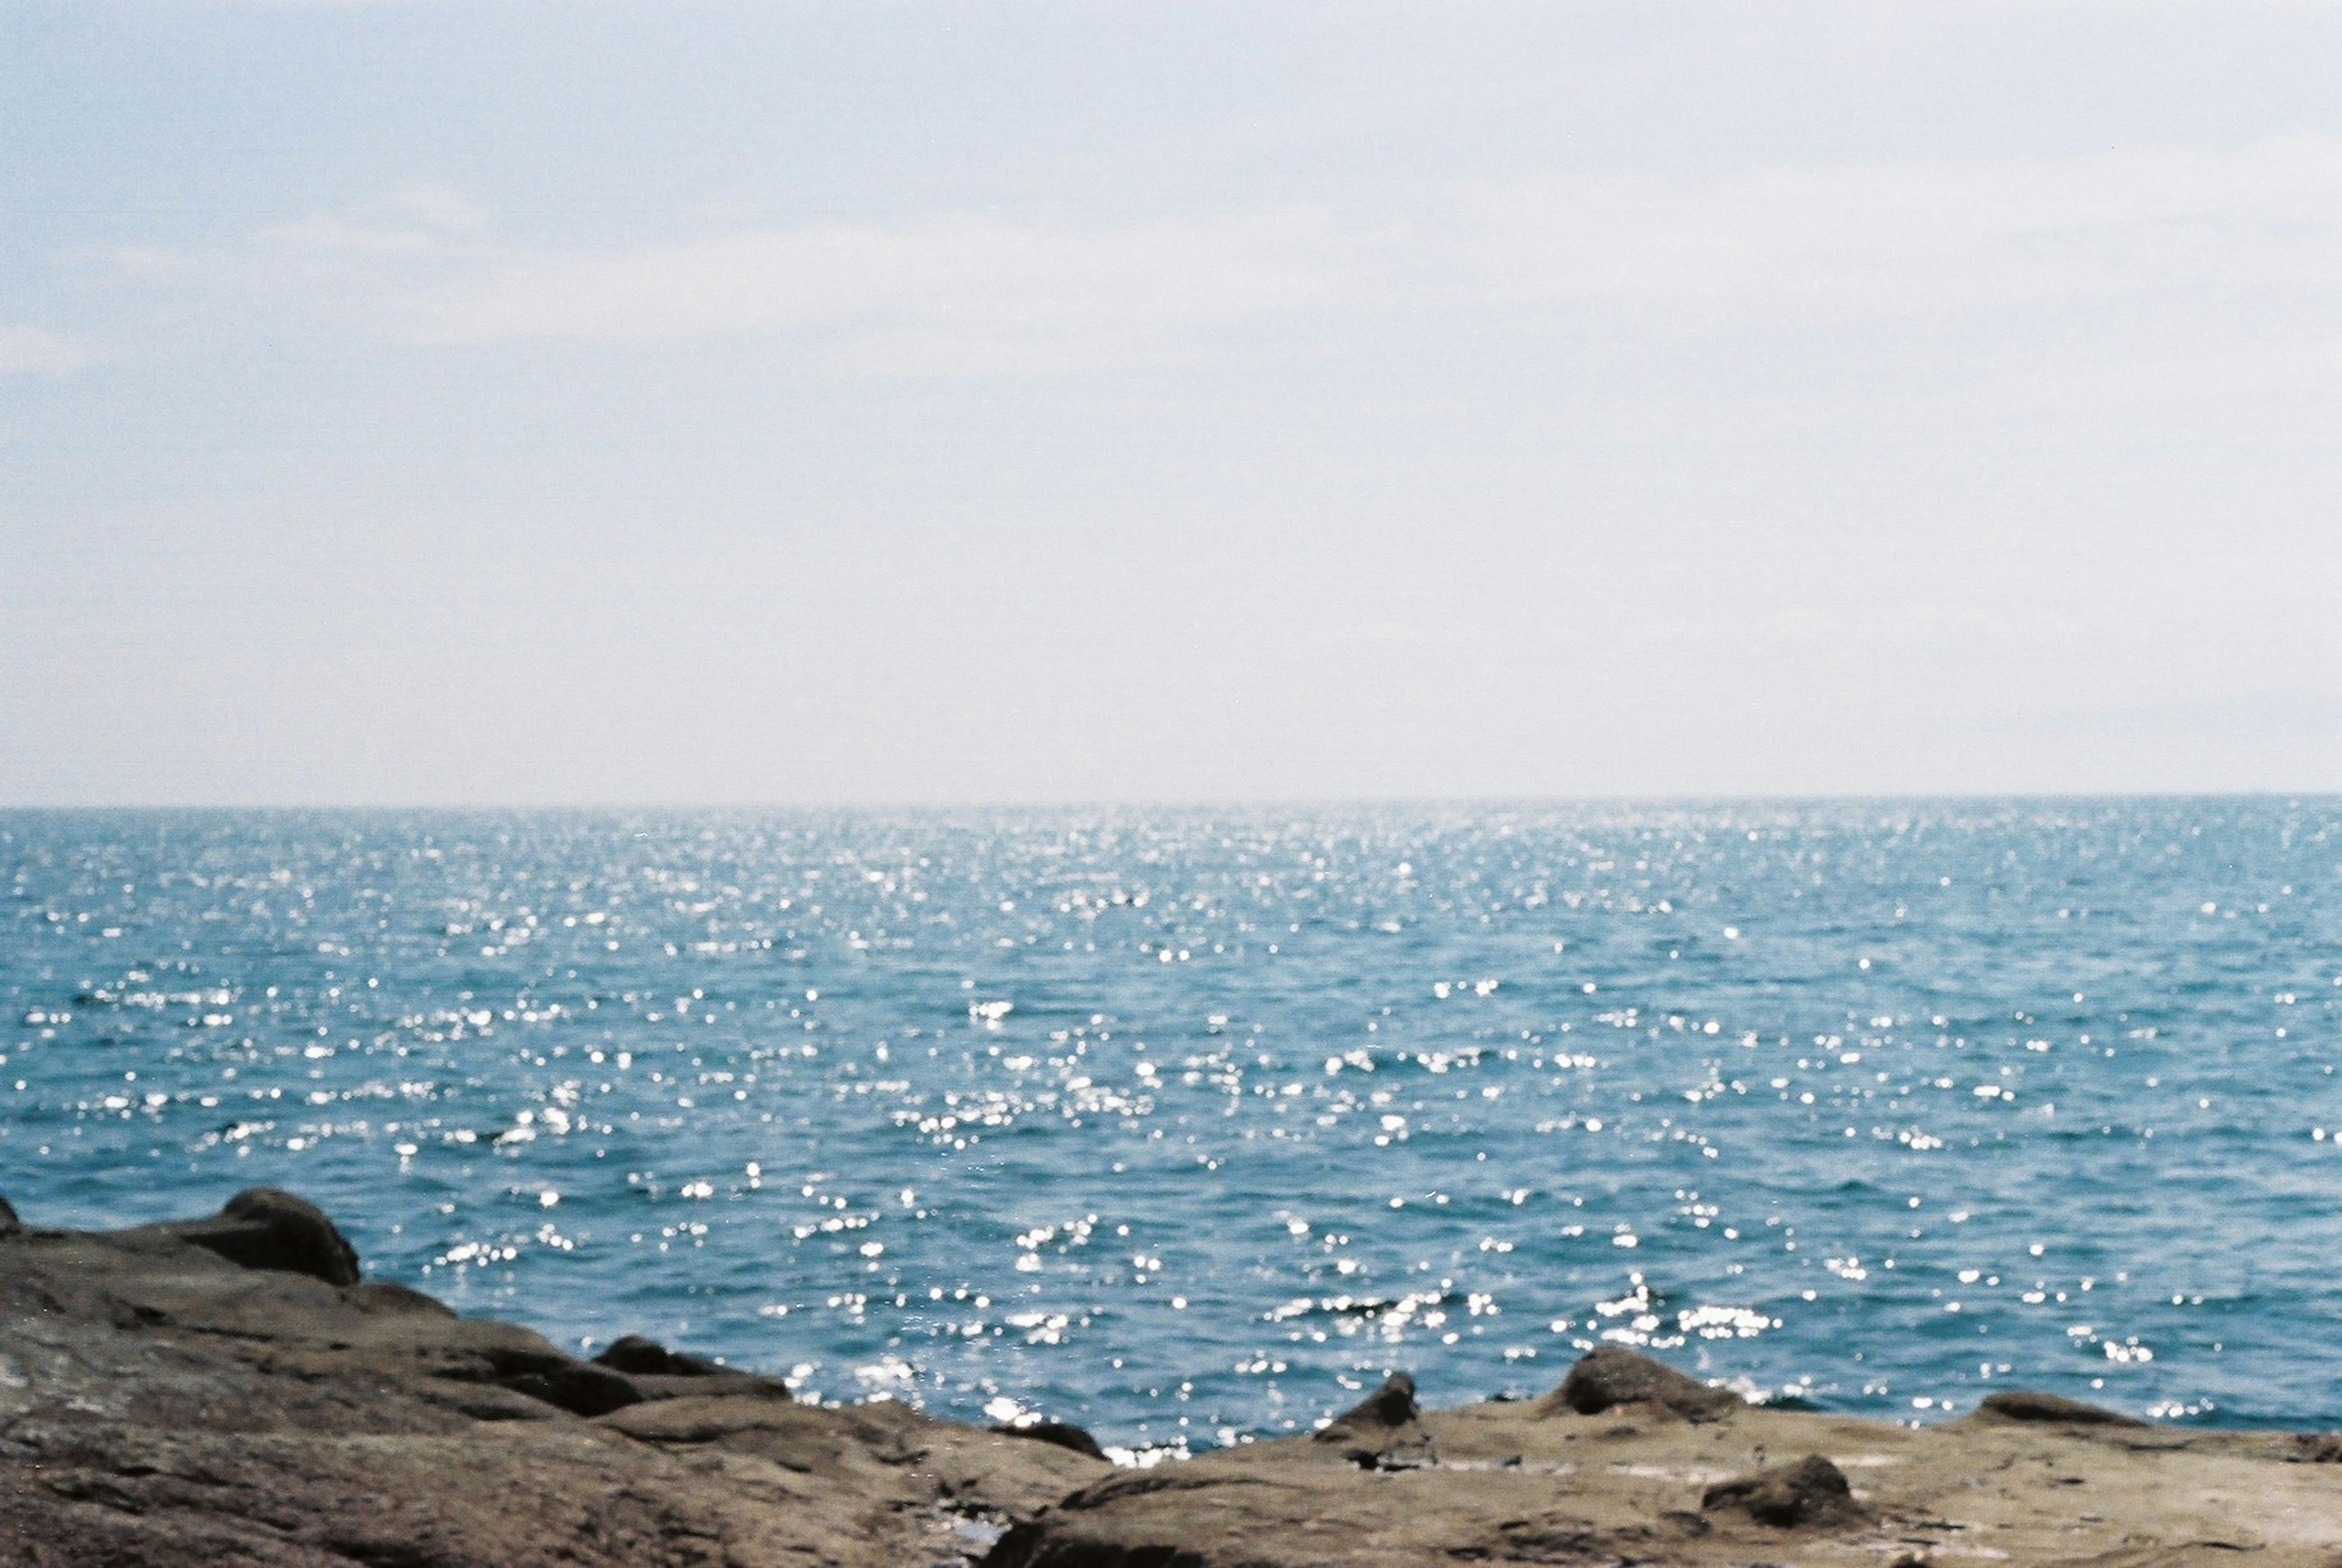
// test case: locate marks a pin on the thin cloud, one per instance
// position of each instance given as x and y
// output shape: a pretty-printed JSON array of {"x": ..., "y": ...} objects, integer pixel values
[
  {"x": 2172, "y": 237},
  {"x": 947, "y": 294},
  {"x": 1764, "y": 247},
  {"x": 34, "y": 351},
  {"x": 1900, "y": 239},
  {"x": 415, "y": 220}
]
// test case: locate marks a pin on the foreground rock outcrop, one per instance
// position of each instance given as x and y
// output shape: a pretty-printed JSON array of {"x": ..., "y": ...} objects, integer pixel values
[
  {"x": 227, "y": 1390},
  {"x": 1642, "y": 1481},
  {"x": 231, "y": 1391}
]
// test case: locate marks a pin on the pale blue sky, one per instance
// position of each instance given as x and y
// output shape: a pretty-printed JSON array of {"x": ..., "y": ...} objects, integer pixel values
[{"x": 567, "y": 401}]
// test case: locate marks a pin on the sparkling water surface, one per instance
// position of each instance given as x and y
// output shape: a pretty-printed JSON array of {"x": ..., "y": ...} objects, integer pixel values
[{"x": 1186, "y": 1125}]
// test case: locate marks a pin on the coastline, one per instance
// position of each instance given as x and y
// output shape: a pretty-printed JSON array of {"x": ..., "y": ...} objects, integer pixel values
[{"x": 231, "y": 1389}]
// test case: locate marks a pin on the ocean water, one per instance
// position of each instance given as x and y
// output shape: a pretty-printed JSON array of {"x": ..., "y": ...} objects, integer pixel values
[{"x": 1188, "y": 1125}]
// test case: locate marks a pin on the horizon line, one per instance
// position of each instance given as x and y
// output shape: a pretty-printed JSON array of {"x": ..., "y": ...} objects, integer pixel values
[{"x": 1163, "y": 802}]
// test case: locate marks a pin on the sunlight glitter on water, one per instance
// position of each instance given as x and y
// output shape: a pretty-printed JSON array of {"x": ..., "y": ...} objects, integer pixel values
[{"x": 1858, "y": 1105}]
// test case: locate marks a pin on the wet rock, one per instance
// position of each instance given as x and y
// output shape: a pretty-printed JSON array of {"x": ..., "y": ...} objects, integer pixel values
[
  {"x": 264, "y": 1228},
  {"x": 9, "y": 1224},
  {"x": 1614, "y": 1376},
  {"x": 2024, "y": 1404},
  {"x": 1383, "y": 1430},
  {"x": 1064, "y": 1434},
  {"x": 1812, "y": 1492}
]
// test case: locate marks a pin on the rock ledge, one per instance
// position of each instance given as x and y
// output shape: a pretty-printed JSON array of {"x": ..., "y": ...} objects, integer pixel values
[{"x": 230, "y": 1390}]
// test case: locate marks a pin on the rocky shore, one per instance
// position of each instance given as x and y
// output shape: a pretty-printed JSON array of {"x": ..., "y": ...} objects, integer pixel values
[{"x": 232, "y": 1390}]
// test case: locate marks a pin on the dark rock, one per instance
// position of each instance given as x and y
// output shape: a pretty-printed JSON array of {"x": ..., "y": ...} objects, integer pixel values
[
  {"x": 1813, "y": 1491},
  {"x": 527, "y": 1364},
  {"x": 1614, "y": 1376},
  {"x": 9, "y": 1224},
  {"x": 263, "y": 1228},
  {"x": 1029, "y": 1546},
  {"x": 1064, "y": 1434},
  {"x": 578, "y": 1387},
  {"x": 2024, "y": 1404},
  {"x": 659, "y": 1372},
  {"x": 635, "y": 1353}
]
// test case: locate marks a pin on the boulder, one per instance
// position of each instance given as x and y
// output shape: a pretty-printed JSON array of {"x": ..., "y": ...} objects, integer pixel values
[
  {"x": 264, "y": 1228},
  {"x": 2024, "y": 1404},
  {"x": 646, "y": 1357},
  {"x": 1614, "y": 1376},
  {"x": 578, "y": 1387},
  {"x": 657, "y": 1373},
  {"x": 1810, "y": 1492},
  {"x": 9, "y": 1224}
]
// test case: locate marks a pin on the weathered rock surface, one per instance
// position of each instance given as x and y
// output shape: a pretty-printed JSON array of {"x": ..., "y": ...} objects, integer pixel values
[
  {"x": 1811, "y": 1491},
  {"x": 227, "y": 1391},
  {"x": 1633, "y": 1481},
  {"x": 165, "y": 1399}
]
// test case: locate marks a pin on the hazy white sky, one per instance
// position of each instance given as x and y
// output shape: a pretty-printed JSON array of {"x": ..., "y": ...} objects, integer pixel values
[{"x": 447, "y": 401}]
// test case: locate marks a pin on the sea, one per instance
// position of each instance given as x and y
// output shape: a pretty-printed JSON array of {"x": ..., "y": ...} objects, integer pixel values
[{"x": 1188, "y": 1125}]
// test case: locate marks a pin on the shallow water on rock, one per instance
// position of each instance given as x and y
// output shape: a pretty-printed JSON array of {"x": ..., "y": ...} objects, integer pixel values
[{"x": 1188, "y": 1125}]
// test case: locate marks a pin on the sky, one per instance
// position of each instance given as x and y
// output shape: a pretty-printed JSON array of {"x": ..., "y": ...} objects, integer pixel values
[{"x": 442, "y": 403}]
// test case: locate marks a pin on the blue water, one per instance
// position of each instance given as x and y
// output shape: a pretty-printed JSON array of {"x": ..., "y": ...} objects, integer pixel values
[{"x": 1186, "y": 1125}]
